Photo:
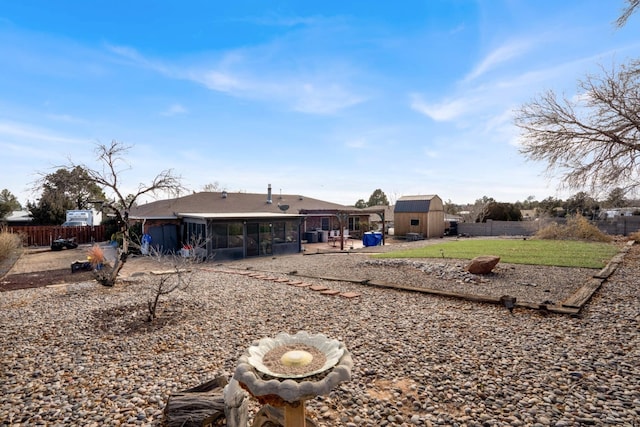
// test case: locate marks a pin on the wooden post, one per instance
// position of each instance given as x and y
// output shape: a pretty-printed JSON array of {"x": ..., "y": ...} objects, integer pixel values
[
  {"x": 343, "y": 217},
  {"x": 294, "y": 415}
]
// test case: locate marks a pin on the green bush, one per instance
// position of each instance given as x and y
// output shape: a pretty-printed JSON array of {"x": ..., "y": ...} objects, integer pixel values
[
  {"x": 576, "y": 228},
  {"x": 9, "y": 243}
]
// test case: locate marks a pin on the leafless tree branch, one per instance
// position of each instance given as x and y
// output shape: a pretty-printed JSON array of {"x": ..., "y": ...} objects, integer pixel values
[
  {"x": 632, "y": 5},
  {"x": 593, "y": 139},
  {"x": 112, "y": 160}
]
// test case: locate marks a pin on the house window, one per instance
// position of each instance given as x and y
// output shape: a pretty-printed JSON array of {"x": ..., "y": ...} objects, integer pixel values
[
  {"x": 219, "y": 236},
  {"x": 324, "y": 223},
  {"x": 278, "y": 232},
  {"x": 265, "y": 238},
  {"x": 354, "y": 223},
  {"x": 292, "y": 231},
  {"x": 236, "y": 238},
  {"x": 194, "y": 234},
  {"x": 415, "y": 222}
]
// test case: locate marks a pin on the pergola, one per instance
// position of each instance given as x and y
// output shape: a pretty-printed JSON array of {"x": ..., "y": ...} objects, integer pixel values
[{"x": 343, "y": 217}]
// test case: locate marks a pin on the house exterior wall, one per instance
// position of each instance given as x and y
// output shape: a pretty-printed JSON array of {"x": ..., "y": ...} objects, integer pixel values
[
  {"x": 315, "y": 222},
  {"x": 169, "y": 235},
  {"x": 165, "y": 234},
  {"x": 159, "y": 222}
]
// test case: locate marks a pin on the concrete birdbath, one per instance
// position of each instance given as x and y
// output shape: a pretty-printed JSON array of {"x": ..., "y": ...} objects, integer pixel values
[{"x": 287, "y": 370}]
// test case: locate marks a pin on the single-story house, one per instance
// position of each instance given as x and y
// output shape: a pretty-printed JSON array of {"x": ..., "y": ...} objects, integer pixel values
[
  {"x": 240, "y": 225},
  {"x": 419, "y": 217},
  {"x": 20, "y": 217}
]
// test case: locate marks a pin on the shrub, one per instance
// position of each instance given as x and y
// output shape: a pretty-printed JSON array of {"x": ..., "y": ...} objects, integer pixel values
[
  {"x": 576, "y": 228},
  {"x": 9, "y": 242},
  {"x": 635, "y": 236},
  {"x": 95, "y": 255}
]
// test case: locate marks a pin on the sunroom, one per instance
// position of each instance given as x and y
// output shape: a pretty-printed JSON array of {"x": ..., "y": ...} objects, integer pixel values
[{"x": 242, "y": 235}]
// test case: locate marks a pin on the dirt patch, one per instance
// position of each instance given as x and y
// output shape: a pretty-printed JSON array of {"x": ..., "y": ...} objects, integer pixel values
[
  {"x": 131, "y": 318},
  {"x": 37, "y": 279},
  {"x": 44, "y": 259},
  {"x": 38, "y": 267}
]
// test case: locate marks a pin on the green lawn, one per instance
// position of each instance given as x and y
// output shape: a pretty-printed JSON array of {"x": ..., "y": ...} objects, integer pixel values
[{"x": 563, "y": 253}]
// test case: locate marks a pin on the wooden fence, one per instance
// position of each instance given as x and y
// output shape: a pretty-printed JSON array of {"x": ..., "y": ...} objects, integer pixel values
[{"x": 43, "y": 235}]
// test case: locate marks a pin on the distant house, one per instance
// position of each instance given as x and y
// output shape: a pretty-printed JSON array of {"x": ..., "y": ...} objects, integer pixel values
[
  {"x": 376, "y": 219},
  {"x": 21, "y": 217},
  {"x": 240, "y": 225},
  {"x": 421, "y": 216},
  {"x": 617, "y": 212},
  {"x": 529, "y": 214}
]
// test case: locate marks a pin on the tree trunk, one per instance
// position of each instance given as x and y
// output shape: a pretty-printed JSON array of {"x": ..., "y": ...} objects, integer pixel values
[
  {"x": 117, "y": 266},
  {"x": 214, "y": 403}
]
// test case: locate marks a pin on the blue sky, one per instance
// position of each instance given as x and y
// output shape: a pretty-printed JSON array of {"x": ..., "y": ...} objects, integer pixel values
[{"x": 329, "y": 99}]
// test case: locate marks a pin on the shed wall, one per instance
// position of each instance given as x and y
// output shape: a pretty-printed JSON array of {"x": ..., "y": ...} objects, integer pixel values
[{"x": 430, "y": 224}]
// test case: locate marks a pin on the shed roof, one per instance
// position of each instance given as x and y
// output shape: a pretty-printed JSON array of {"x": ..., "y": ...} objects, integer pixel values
[{"x": 414, "y": 203}]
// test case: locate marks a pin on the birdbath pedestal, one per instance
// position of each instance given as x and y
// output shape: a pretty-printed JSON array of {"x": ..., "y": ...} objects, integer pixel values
[{"x": 287, "y": 370}]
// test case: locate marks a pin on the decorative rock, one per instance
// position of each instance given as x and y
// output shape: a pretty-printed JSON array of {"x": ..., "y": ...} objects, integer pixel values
[{"x": 482, "y": 264}]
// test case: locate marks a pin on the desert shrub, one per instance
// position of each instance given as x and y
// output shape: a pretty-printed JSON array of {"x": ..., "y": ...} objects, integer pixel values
[
  {"x": 635, "y": 236},
  {"x": 9, "y": 242},
  {"x": 95, "y": 255},
  {"x": 576, "y": 228}
]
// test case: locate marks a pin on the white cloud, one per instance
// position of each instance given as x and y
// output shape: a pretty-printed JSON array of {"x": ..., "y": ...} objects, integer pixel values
[
  {"x": 220, "y": 81},
  {"x": 500, "y": 55},
  {"x": 264, "y": 74},
  {"x": 323, "y": 99},
  {"x": 304, "y": 94},
  {"x": 174, "y": 110},
  {"x": 138, "y": 59},
  {"x": 432, "y": 154},
  {"x": 24, "y": 132},
  {"x": 356, "y": 143},
  {"x": 443, "y": 111}
]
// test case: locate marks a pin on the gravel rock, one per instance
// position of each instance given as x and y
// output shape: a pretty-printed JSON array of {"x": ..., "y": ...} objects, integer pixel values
[{"x": 82, "y": 354}]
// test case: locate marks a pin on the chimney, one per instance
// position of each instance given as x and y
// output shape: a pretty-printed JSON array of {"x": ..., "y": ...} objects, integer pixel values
[{"x": 269, "y": 201}]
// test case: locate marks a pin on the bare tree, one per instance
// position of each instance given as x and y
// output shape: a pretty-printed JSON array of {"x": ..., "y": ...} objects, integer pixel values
[
  {"x": 177, "y": 277},
  {"x": 212, "y": 187},
  {"x": 593, "y": 139},
  {"x": 163, "y": 284},
  {"x": 479, "y": 210},
  {"x": 109, "y": 177},
  {"x": 632, "y": 6}
]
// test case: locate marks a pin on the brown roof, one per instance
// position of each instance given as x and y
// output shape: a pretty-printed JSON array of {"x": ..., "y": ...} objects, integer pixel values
[
  {"x": 230, "y": 203},
  {"x": 388, "y": 213}
]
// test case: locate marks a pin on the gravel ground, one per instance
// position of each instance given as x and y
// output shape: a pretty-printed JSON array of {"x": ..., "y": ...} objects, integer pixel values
[
  {"x": 533, "y": 284},
  {"x": 81, "y": 354}
]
